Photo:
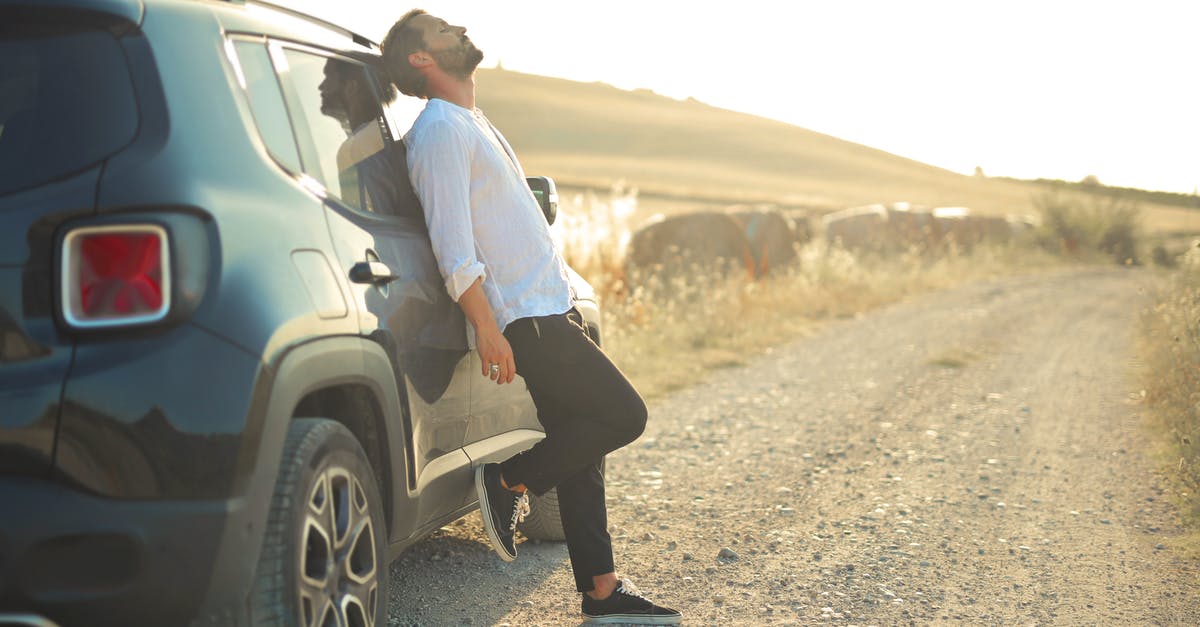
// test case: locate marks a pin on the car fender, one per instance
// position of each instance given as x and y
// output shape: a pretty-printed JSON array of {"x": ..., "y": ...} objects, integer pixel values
[{"x": 303, "y": 369}]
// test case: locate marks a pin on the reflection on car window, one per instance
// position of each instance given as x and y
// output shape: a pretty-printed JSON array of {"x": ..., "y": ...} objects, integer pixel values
[
  {"x": 266, "y": 103},
  {"x": 339, "y": 122}
]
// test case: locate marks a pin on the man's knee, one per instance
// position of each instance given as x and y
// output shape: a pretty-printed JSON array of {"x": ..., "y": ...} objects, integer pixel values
[{"x": 633, "y": 421}]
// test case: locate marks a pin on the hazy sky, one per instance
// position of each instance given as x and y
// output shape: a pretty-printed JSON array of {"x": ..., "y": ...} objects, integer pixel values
[{"x": 1057, "y": 89}]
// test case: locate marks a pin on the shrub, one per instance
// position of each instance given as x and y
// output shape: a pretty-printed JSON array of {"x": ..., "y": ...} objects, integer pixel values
[{"x": 1105, "y": 226}]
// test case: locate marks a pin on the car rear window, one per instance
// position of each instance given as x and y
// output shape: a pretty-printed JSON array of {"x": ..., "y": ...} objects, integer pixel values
[{"x": 66, "y": 101}]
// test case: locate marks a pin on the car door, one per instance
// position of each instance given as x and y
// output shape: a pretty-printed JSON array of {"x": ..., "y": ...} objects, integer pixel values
[{"x": 381, "y": 243}]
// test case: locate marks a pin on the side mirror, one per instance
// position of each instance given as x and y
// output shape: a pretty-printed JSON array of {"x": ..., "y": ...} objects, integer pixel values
[{"x": 546, "y": 194}]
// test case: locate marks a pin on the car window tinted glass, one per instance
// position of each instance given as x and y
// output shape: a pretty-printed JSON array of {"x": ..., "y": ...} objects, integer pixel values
[
  {"x": 266, "y": 102},
  {"x": 66, "y": 101},
  {"x": 338, "y": 119}
]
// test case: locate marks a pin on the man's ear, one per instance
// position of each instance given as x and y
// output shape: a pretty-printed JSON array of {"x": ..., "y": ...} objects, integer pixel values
[{"x": 419, "y": 59}]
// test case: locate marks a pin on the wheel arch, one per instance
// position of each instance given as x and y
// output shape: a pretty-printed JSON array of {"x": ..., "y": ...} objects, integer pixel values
[
  {"x": 349, "y": 380},
  {"x": 355, "y": 406}
]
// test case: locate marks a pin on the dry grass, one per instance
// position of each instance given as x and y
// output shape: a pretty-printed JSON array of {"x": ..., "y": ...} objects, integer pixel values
[
  {"x": 1171, "y": 345},
  {"x": 953, "y": 358},
  {"x": 666, "y": 332},
  {"x": 714, "y": 322}
]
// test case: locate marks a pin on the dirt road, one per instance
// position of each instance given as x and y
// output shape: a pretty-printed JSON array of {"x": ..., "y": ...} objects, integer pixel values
[{"x": 974, "y": 456}]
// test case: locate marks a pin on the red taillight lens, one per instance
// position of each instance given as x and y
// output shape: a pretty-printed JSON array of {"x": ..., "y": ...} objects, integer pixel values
[{"x": 115, "y": 275}]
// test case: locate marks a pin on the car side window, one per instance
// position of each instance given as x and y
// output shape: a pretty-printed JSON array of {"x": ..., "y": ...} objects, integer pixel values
[
  {"x": 338, "y": 119},
  {"x": 401, "y": 112},
  {"x": 266, "y": 102}
]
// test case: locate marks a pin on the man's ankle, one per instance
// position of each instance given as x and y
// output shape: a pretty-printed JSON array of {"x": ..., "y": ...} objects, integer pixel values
[
  {"x": 519, "y": 488},
  {"x": 603, "y": 586}
]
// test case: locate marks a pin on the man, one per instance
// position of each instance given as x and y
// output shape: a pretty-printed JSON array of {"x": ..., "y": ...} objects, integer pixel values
[{"x": 494, "y": 251}]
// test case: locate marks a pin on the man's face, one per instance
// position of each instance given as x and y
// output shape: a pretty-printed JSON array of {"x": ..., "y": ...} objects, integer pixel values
[
  {"x": 449, "y": 46},
  {"x": 333, "y": 98}
]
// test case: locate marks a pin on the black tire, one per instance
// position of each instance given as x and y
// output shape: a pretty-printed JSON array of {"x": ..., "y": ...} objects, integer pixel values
[
  {"x": 323, "y": 552},
  {"x": 544, "y": 521}
]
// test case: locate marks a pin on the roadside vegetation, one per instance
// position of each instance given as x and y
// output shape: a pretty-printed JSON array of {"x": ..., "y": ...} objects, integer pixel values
[
  {"x": 668, "y": 330},
  {"x": 1171, "y": 348},
  {"x": 1092, "y": 230}
]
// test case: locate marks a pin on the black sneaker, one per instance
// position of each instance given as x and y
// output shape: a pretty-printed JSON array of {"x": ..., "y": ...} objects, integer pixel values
[
  {"x": 627, "y": 605},
  {"x": 501, "y": 510}
]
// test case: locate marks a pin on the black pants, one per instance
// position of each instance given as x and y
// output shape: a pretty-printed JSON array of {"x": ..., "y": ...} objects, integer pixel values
[{"x": 588, "y": 408}]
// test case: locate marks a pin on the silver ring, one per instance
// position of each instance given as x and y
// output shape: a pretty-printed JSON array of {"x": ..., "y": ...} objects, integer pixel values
[{"x": 495, "y": 368}]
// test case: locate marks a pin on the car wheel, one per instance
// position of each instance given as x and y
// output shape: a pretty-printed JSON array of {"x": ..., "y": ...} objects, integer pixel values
[
  {"x": 544, "y": 521},
  {"x": 322, "y": 560}
]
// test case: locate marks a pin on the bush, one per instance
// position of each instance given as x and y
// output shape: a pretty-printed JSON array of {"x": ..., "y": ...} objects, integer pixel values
[
  {"x": 1171, "y": 332},
  {"x": 1104, "y": 227}
]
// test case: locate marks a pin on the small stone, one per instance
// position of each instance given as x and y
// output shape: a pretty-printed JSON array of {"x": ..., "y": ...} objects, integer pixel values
[
  {"x": 1105, "y": 521},
  {"x": 1159, "y": 547},
  {"x": 727, "y": 553},
  {"x": 647, "y": 536},
  {"x": 687, "y": 557},
  {"x": 672, "y": 545},
  {"x": 717, "y": 598}
]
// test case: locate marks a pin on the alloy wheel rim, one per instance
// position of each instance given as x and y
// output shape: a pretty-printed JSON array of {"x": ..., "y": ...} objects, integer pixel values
[{"x": 338, "y": 584}]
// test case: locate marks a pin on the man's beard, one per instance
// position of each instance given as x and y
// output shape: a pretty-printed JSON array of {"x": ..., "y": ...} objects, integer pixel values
[{"x": 459, "y": 62}]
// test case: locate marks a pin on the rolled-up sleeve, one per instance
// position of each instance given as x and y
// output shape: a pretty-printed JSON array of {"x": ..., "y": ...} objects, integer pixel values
[{"x": 439, "y": 168}]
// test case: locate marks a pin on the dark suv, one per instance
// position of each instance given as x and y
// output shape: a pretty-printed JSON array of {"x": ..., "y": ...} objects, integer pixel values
[{"x": 232, "y": 385}]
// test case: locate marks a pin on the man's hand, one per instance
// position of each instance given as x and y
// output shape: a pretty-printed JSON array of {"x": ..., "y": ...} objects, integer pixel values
[{"x": 493, "y": 348}]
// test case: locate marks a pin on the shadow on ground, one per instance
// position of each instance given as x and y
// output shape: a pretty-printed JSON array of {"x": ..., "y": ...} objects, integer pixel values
[{"x": 454, "y": 578}]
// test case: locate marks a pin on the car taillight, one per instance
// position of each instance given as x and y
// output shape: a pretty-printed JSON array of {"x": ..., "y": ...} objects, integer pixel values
[{"x": 115, "y": 275}]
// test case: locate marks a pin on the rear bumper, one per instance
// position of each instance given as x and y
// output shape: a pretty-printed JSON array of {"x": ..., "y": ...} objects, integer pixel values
[{"x": 76, "y": 559}]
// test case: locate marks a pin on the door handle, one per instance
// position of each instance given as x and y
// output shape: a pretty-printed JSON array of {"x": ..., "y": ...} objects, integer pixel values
[{"x": 372, "y": 272}]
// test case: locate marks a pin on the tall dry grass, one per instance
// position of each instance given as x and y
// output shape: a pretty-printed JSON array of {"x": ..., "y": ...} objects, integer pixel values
[
  {"x": 1171, "y": 342},
  {"x": 666, "y": 331}
]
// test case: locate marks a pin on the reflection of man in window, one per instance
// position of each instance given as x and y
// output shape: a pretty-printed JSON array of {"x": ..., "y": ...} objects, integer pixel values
[
  {"x": 373, "y": 175},
  {"x": 369, "y": 175}
]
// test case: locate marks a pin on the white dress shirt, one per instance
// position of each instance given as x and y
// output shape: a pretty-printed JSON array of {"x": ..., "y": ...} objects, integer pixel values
[{"x": 483, "y": 219}]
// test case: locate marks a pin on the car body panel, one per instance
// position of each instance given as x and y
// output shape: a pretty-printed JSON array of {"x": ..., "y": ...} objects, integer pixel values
[{"x": 171, "y": 434}]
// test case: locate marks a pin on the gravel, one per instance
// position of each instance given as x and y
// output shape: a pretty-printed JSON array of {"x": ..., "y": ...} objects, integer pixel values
[{"x": 853, "y": 478}]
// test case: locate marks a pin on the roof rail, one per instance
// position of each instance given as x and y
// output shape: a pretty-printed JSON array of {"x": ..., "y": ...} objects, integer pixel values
[{"x": 312, "y": 18}]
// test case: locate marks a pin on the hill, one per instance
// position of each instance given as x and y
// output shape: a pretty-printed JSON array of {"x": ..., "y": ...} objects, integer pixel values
[{"x": 686, "y": 154}]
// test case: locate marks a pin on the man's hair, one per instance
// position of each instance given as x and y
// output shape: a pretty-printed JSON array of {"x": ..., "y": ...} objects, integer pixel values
[
  {"x": 375, "y": 66},
  {"x": 402, "y": 40}
]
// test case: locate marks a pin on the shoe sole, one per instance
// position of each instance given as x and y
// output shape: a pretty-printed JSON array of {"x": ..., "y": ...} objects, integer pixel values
[
  {"x": 631, "y": 619},
  {"x": 485, "y": 510}
]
